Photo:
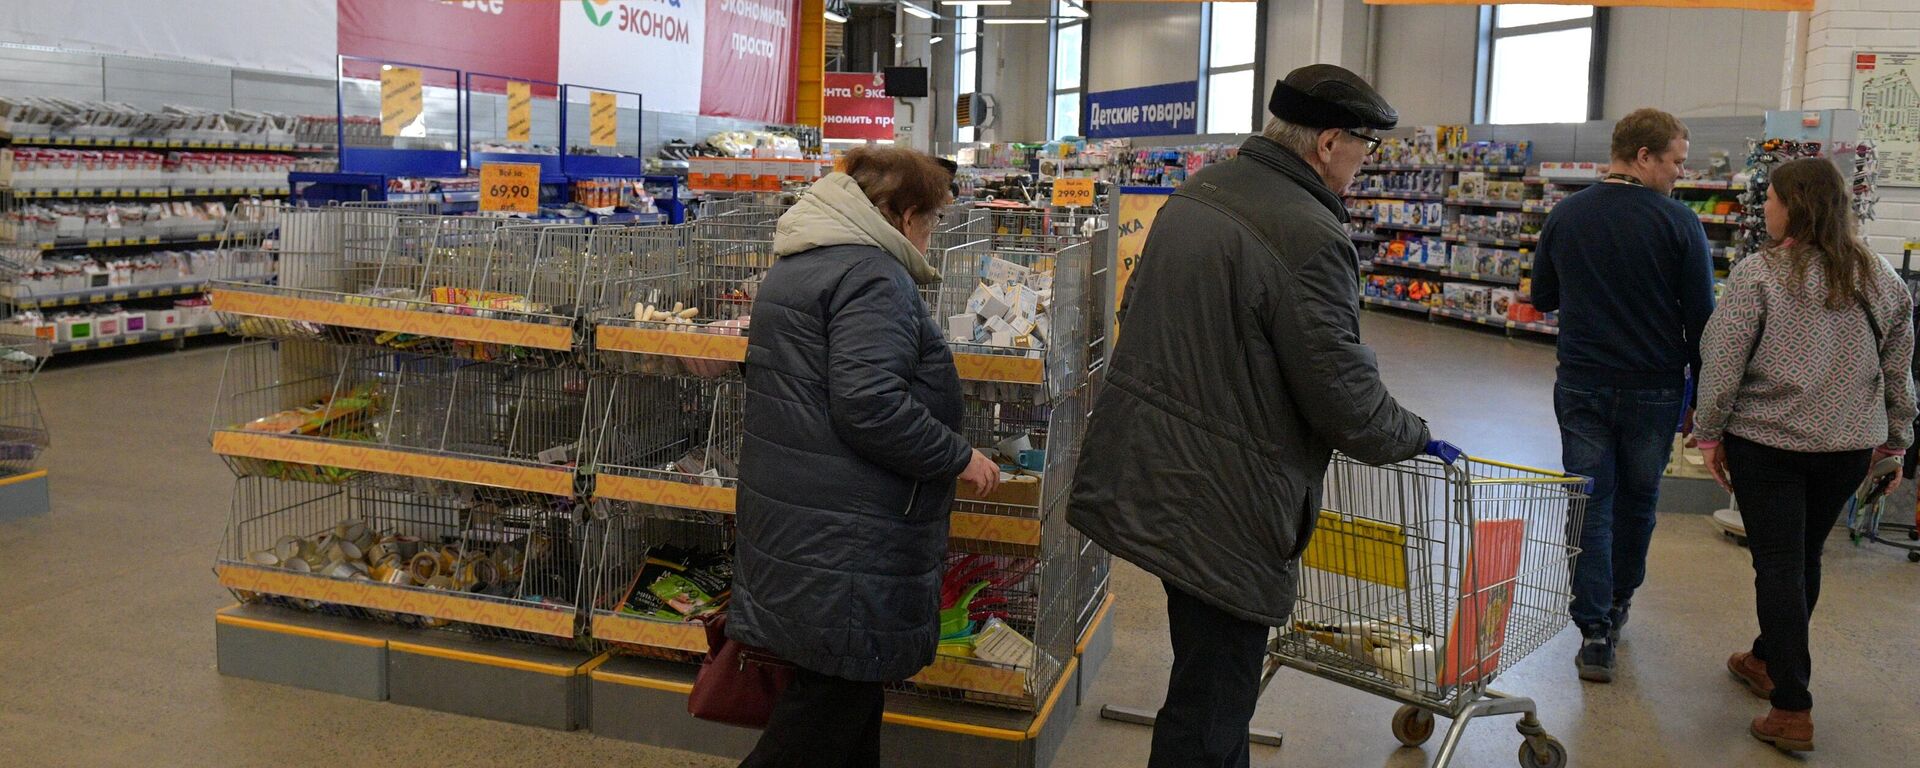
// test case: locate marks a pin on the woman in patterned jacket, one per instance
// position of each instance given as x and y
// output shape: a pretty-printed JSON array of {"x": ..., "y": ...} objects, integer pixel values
[{"x": 1806, "y": 380}]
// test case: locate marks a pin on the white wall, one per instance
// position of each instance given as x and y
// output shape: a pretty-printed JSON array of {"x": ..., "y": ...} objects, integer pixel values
[
  {"x": 1427, "y": 62},
  {"x": 1015, "y": 69},
  {"x": 1833, "y": 31},
  {"x": 1694, "y": 63},
  {"x": 1134, "y": 44}
]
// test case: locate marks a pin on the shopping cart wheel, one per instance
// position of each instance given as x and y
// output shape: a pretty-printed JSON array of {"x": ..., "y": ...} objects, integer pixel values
[
  {"x": 1412, "y": 725},
  {"x": 1543, "y": 752},
  {"x": 1913, "y": 557}
]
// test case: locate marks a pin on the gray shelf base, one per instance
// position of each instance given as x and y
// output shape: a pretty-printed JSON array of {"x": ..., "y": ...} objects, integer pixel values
[{"x": 303, "y": 650}]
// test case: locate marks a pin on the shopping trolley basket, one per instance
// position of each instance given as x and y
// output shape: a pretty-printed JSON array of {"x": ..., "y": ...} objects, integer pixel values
[{"x": 1425, "y": 580}]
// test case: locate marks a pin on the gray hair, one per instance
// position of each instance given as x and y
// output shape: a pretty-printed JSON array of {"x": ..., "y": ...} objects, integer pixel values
[{"x": 1298, "y": 139}]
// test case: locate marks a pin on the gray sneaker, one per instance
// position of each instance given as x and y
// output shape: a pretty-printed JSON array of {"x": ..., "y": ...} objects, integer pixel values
[
  {"x": 1617, "y": 620},
  {"x": 1595, "y": 661}
]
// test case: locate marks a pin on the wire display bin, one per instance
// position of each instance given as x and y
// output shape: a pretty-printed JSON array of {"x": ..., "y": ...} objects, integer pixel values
[
  {"x": 684, "y": 310},
  {"x": 479, "y": 288},
  {"x": 469, "y": 468},
  {"x": 1425, "y": 581},
  {"x": 23, "y": 433}
]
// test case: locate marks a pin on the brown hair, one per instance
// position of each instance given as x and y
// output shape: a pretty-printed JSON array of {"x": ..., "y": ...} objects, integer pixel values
[
  {"x": 1821, "y": 225},
  {"x": 1646, "y": 127},
  {"x": 899, "y": 180}
]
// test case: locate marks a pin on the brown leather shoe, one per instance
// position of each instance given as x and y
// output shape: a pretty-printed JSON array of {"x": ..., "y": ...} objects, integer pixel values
[
  {"x": 1752, "y": 672},
  {"x": 1785, "y": 729}
]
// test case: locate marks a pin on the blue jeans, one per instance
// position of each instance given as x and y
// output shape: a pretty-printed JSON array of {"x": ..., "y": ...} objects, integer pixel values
[{"x": 1621, "y": 438}]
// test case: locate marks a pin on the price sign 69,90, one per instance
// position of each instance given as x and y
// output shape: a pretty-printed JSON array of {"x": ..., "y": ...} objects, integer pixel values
[{"x": 510, "y": 187}]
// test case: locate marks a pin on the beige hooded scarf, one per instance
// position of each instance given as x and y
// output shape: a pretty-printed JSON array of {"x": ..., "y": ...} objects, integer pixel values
[{"x": 835, "y": 212}]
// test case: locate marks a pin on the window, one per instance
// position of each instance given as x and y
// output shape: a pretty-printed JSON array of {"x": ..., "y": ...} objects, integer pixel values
[
  {"x": 1537, "y": 63},
  {"x": 1232, "y": 36},
  {"x": 966, "y": 63},
  {"x": 1069, "y": 31}
]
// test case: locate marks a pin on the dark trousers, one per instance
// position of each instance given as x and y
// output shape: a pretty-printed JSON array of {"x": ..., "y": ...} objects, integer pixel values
[
  {"x": 1621, "y": 438},
  {"x": 822, "y": 722},
  {"x": 1217, "y": 660},
  {"x": 1789, "y": 502}
]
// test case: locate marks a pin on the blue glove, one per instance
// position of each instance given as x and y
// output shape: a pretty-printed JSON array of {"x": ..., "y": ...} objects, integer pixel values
[{"x": 1444, "y": 451}]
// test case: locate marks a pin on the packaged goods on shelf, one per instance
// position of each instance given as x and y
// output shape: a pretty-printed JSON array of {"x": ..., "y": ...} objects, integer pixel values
[
  {"x": 1572, "y": 171},
  {"x": 1411, "y": 214},
  {"x": 1500, "y": 301},
  {"x": 1402, "y": 289},
  {"x": 1400, "y": 183},
  {"x": 1466, "y": 297},
  {"x": 44, "y": 275},
  {"x": 1007, "y": 309},
  {"x": 1423, "y": 251},
  {"x": 1475, "y": 186},
  {"x": 677, "y": 584},
  {"x": 43, "y": 222},
  {"x": 57, "y": 120},
  {"x": 105, "y": 321},
  {"x": 1499, "y": 226},
  {"x": 1469, "y": 259}
]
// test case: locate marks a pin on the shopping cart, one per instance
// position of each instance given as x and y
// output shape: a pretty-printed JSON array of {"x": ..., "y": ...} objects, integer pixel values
[
  {"x": 1868, "y": 507},
  {"x": 1423, "y": 582}
]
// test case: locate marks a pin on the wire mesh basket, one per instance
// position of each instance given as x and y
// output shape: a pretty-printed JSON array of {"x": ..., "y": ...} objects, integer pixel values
[
  {"x": 23, "y": 432},
  {"x": 1014, "y": 316},
  {"x": 1008, "y": 636},
  {"x": 327, "y": 414},
  {"x": 660, "y": 572},
  {"x": 1425, "y": 581},
  {"x": 478, "y": 288},
  {"x": 687, "y": 313},
  {"x": 667, "y": 441},
  {"x": 497, "y": 563}
]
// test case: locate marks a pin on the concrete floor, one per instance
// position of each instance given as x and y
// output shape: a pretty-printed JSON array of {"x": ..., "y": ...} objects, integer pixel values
[{"x": 106, "y": 630}]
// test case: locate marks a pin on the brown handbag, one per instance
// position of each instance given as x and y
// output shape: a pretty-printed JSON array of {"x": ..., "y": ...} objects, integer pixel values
[{"x": 737, "y": 683}]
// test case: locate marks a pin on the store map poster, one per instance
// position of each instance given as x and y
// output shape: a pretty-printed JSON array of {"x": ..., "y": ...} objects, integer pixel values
[
  {"x": 1487, "y": 584},
  {"x": 1886, "y": 93}
]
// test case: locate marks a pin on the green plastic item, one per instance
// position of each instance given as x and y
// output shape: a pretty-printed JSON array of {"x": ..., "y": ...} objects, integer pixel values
[{"x": 953, "y": 618}]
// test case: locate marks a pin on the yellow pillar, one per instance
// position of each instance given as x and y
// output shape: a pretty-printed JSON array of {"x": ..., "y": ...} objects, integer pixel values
[{"x": 808, "y": 101}]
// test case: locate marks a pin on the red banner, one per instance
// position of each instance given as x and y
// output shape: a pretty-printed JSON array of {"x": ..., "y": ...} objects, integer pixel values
[
  {"x": 857, "y": 107},
  {"x": 511, "y": 38},
  {"x": 749, "y": 68}
]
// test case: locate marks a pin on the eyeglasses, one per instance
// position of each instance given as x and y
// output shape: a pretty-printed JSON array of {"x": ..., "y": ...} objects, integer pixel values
[{"x": 1373, "y": 142}]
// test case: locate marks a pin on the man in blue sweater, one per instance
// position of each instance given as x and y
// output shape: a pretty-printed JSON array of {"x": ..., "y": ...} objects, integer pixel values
[{"x": 1628, "y": 268}]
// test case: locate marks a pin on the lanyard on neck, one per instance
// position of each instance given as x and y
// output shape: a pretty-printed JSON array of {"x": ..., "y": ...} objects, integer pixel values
[{"x": 1625, "y": 178}]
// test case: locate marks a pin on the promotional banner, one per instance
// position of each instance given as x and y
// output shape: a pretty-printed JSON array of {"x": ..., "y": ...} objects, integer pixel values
[
  {"x": 1171, "y": 109},
  {"x": 296, "y": 36},
  {"x": 656, "y": 47},
  {"x": 1132, "y": 220},
  {"x": 519, "y": 111},
  {"x": 749, "y": 63},
  {"x": 1744, "y": 5},
  {"x": 495, "y": 37},
  {"x": 857, "y": 107}
]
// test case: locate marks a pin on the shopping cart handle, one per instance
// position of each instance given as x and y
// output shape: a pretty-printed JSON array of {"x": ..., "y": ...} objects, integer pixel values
[{"x": 1444, "y": 451}]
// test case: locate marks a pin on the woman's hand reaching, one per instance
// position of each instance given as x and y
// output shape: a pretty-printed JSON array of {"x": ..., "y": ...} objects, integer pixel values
[{"x": 981, "y": 473}]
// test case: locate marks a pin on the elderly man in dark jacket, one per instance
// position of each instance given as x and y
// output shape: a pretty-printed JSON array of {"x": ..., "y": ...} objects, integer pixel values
[{"x": 1239, "y": 369}]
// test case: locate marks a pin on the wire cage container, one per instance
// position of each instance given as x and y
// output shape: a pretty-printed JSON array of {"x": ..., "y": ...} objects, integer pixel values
[
  {"x": 479, "y": 288},
  {"x": 659, "y": 572},
  {"x": 492, "y": 562},
  {"x": 1425, "y": 581},
  {"x": 322, "y": 413},
  {"x": 23, "y": 432},
  {"x": 1015, "y": 632},
  {"x": 1013, "y": 316},
  {"x": 667, "y": 441},
  {"x": 686, "y": 311}
]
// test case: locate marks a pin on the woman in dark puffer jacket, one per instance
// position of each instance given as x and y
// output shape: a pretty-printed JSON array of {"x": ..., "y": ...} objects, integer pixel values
[{"x": 852, "y": 448}]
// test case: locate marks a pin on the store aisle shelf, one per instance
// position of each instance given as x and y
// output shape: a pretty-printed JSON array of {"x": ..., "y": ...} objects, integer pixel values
[
  {"x": 1522, "y": 243},
  {"x": 154, "y": 143},
  {"x": 550, "y": 620},
  {"x": 1494, "y": 321},
  {"x": 1410, "y": 306},
  {"x": 149, "y": 193},
  {"x": 131, "y": 339},
  {"x": 1705, "y": 218},
  {"x": 1408, "y": 228},
  {"x": 429, "y": 465},
  {"x": 1467, "y": 202},
  {"x": 634, "y": 339},
  {"x": 722, "y": 499},
  {"x": 1501, "y": 169},
  {"x": 1408, "y": 265},
  {"x": 1389, "y": 195},
  {"x": 417, "y": 318},
  {"x": 126, "y": 242},
  {"x": 121, "y": 293}
]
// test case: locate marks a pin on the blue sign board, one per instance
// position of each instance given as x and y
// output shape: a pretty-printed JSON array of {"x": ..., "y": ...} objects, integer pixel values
[{"x": 1170, "y": 109}]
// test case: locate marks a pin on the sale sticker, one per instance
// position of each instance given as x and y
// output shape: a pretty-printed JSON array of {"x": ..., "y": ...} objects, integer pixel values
[
  {"x": 604, "y": 119},
  {"x": 519, "y": 111},
  {"x": 401, "y": 101},
  {"x": 1072, "y": 193},
  {"x": 510, "y": 187}
]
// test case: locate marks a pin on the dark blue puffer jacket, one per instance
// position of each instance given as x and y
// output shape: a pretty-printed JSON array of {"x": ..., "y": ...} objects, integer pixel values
[{"x": 847, "y": 474}]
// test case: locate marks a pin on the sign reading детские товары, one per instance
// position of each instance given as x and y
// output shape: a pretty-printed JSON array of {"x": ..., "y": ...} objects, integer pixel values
[{"x": 1171, "y": 109}]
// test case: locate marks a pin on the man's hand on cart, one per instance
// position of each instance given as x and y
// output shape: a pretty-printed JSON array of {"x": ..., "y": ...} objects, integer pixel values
[{"x": 1444, "y": 451}]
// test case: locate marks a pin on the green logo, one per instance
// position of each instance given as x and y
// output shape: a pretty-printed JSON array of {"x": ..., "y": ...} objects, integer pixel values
[{"x": 600, "y": 19}]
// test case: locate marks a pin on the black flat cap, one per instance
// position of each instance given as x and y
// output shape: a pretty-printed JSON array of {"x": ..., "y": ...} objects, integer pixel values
[{"x": 1326, "y": 96}]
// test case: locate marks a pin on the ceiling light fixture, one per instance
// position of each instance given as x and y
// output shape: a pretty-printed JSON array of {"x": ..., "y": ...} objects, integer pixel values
[
  {"x": 936, "y": 40},
  {"x": 917, "y": 11},
  {"x": 976, "y": 2},
  {"x": 1015, "y": 20},
  {"x": 834, "y": 17}
]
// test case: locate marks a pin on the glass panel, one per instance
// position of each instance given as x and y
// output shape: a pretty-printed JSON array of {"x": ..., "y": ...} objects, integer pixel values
[
  {"x": 1230, "y": 102},
  {"x": 1509, "y": 16},
  {"x": 969, "y": 22},
  {"x": 1541, "y": 78},
  {"x": 1066, "y": 47},
  {"x": 966, "y": 135},
  {"x": 1235, "y": 27},
  {"x": 1066, "y": 115},
  {"x": 969, "y": 69}
]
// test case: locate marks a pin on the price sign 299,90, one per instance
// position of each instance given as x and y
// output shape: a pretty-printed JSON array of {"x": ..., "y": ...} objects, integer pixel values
[{"x": 510, "y": 187}]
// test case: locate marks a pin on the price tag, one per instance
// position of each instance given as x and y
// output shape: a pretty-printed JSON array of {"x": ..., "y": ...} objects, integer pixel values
[
  {"x": 604, "y": 122},
  {"x": 510, "y": 187},
  {"x": 1069, "y": 193},
  {"x": 400, "y": 99},
  {"x": 1913, "y": 245},
  {"x": 519, "y": 111}
]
